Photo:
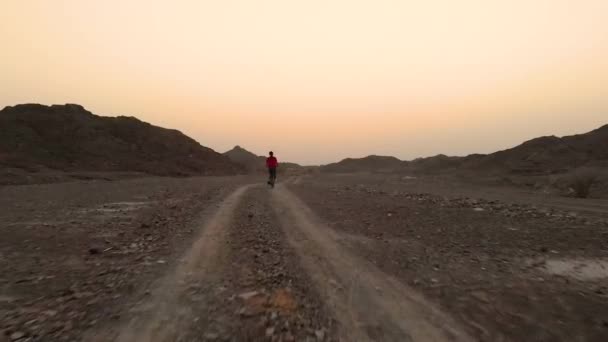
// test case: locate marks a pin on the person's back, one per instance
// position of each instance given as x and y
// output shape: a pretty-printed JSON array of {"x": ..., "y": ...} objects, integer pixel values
[{"x": 272, "y": 163}]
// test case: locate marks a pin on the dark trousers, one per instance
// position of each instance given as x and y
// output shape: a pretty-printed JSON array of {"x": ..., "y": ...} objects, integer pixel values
[{"x": 272, "y": 174}]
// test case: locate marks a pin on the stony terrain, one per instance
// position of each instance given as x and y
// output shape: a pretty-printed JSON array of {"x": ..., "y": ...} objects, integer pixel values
[
  {"x": 73, "y": 253},
  {"x": 509, "y": 265},
  {"x": 319, "y": 258}
]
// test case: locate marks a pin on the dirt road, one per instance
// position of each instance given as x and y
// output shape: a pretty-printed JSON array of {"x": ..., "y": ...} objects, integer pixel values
[
  {"x": 366, "y": 304},
  {"x": 302, "y": 262}
]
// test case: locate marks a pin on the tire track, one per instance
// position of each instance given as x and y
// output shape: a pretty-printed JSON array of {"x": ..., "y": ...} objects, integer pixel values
[
  {"x": 162, "y": 317},
  {"x": 369, "y": 305},
  {"x": 265, "y": 294}
]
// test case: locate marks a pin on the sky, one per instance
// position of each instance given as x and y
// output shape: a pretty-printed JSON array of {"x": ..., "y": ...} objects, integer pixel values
[{"x": 319, "y": 80}]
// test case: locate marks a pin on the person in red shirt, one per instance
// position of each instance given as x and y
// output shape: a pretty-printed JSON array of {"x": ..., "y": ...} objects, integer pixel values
[{"x": 272, "y": 164}]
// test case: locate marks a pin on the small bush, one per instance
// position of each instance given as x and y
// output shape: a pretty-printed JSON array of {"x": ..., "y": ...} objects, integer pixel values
[{"x": 581, "y": 182}]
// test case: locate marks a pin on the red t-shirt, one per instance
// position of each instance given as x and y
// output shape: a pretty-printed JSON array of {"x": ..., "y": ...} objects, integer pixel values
[{"x": 271, "y": 162}]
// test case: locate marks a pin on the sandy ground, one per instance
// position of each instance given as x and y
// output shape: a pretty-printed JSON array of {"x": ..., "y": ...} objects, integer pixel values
[{"x": 318, "y": 258}]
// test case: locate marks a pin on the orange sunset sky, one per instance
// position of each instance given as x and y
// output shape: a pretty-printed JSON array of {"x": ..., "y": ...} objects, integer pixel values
[{"x": 317, "y": 81}]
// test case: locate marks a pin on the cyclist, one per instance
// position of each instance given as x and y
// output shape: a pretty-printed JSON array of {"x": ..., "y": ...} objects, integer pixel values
[{"x": 271, "y": 164}]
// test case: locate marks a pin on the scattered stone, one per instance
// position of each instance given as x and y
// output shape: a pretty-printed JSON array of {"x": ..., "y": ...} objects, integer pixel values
[
  {"x": 17, "y": 335},
  {"x": 50, "y": 313},
  {"x": 245, "y": 312},
  {"x": 211, "y": 336},
  {"x": 6, "y": 299},
  {"x": 248, "y": 295},
  {"x": 481, "y": 296},
  {"x": 320, "y": 334},
  {"x": 283, "y": 300}
]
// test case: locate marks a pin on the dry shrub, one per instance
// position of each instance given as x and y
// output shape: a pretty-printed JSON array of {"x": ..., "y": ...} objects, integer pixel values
[{"x": 582, "y": 180}]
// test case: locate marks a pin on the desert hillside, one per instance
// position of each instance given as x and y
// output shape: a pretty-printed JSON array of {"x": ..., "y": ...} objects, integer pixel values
[
  {"x": 543, "y": 155},
  {"x": 251, "y": 161},
  {"x": 551, "y": 154},
  {"x": 366, "y": 164},
  {"x": 69, "y": 138}
]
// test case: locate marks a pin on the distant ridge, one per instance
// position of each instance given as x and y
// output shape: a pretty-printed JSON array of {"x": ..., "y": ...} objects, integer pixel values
[
  {"x": 70, "y": 138},
  {"x": 543, "y": 155},
  {"x": 549, "y": 154},
  {"x": 369, "y": 163}
]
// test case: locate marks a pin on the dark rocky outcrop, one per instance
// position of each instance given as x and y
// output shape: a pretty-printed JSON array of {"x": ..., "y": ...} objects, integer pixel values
[{"x": 69, "y": 138}]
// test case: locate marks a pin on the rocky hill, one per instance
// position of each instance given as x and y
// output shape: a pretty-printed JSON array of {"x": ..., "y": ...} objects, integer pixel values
[
  {"x": 69, "y": 138},
  {"x": 550, "y": 154},
  {"x": 249, "y": 160},
  {"x": 371, "y": 163},
  {"x": 544, "y": 155}
]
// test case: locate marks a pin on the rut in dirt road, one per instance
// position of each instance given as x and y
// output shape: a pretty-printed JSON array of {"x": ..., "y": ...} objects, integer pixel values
[
  {"x": 368, "y": 304},
  {"x": 162, "y": 318},
  {"x": 261, "y": 292},
  {"x": 240, "y": 281}
]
